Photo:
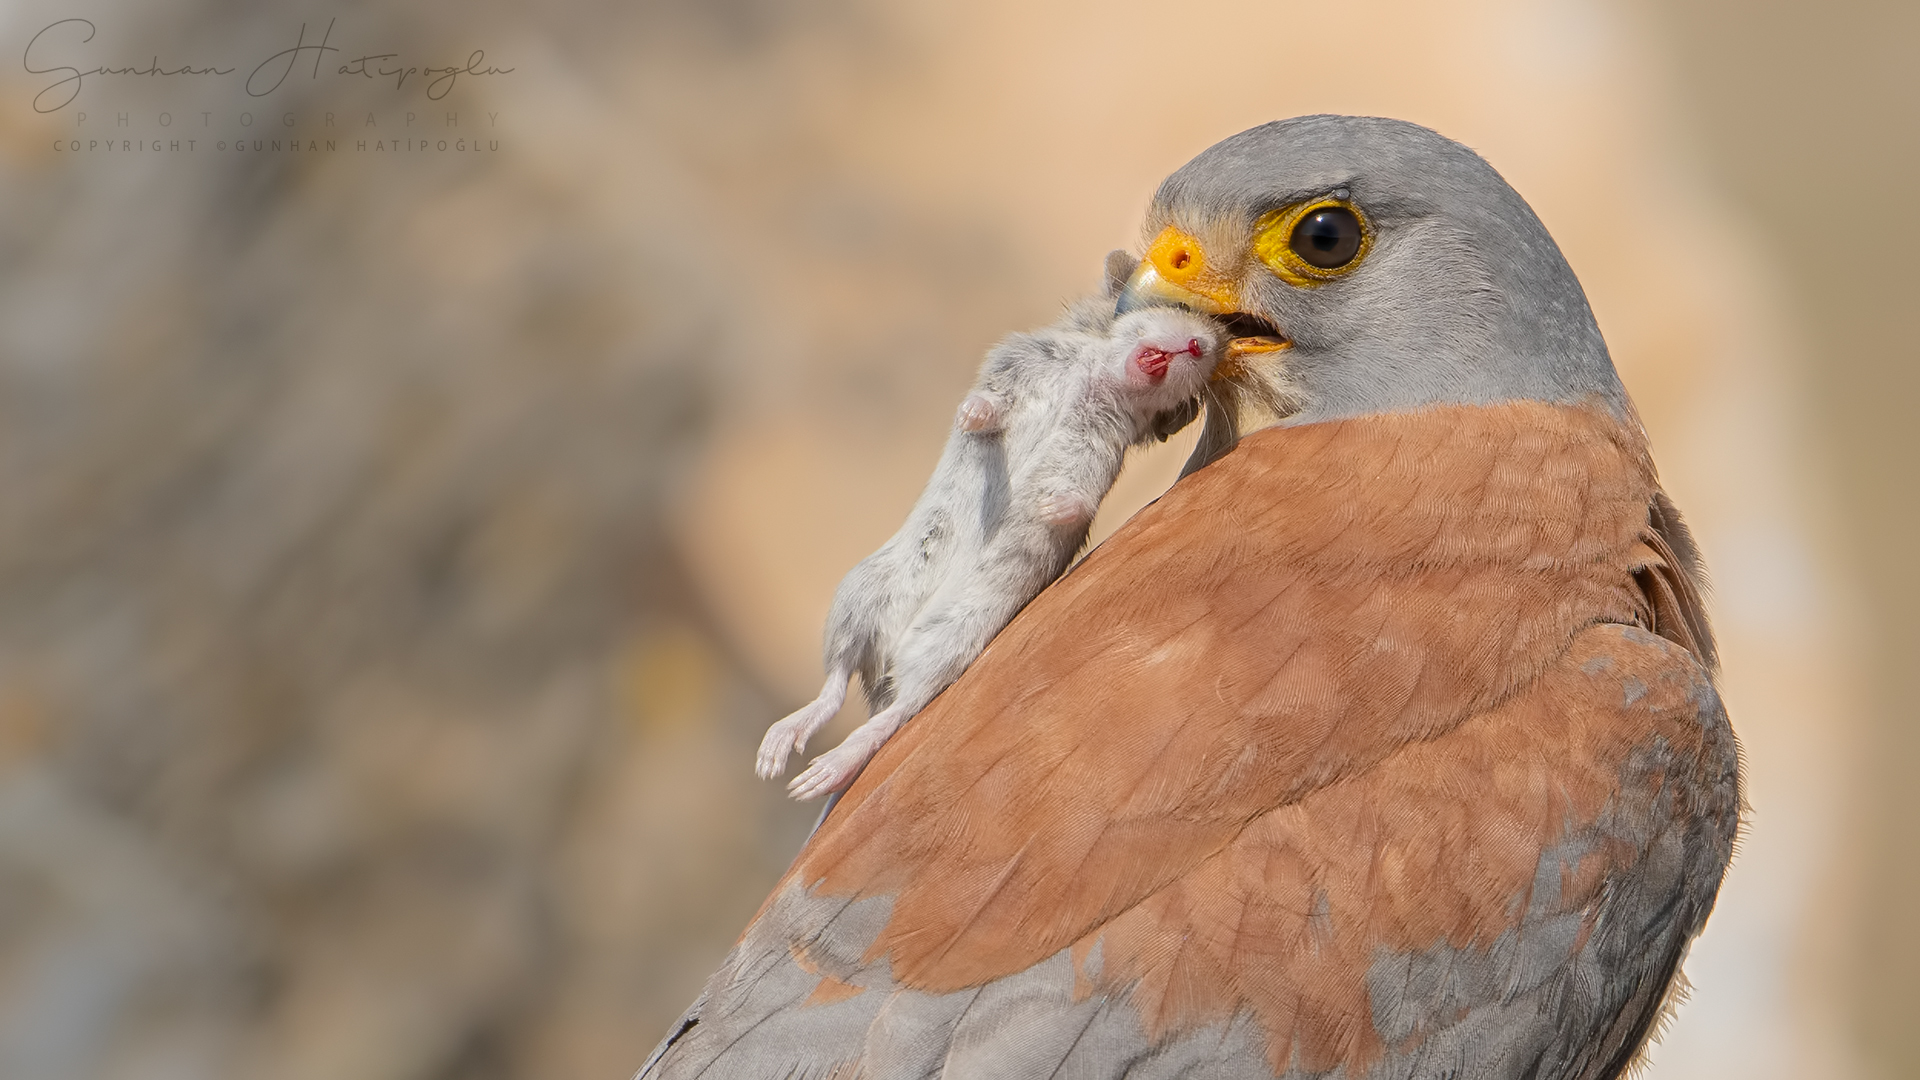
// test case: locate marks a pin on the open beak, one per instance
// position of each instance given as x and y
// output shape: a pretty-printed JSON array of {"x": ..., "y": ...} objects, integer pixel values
[{"x": 1178, "y": 273}]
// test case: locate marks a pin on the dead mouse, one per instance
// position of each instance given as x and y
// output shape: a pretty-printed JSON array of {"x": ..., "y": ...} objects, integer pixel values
[{"x": 1034, "y": 448}]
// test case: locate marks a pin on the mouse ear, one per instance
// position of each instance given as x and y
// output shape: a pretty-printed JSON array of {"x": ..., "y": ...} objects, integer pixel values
[{"x": 1119, "y": 268}]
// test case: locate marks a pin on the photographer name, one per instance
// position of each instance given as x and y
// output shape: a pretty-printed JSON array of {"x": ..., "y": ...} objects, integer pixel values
[{"x": 50, "y": 53}]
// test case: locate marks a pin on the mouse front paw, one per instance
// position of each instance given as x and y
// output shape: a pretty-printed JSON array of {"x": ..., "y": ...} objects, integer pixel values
[
  {"x": 980, "y": 414},
  {"x": 1066, "y": 510}
]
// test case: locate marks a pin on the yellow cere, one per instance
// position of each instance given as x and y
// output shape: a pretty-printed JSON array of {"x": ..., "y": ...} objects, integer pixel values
[{"x": 1180, "y": 261}]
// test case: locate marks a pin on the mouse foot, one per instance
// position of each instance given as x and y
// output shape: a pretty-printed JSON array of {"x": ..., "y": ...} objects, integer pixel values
[
  {"x": 833, "y": 770},
  {"x": 786, "y": 736}
]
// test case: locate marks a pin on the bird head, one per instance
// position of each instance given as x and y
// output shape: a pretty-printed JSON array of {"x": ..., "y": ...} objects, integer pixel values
[{"x": 1363, "y": 265}]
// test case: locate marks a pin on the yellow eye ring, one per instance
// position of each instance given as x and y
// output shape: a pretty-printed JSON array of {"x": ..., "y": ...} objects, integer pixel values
[{"x": 1316, "y": 225}]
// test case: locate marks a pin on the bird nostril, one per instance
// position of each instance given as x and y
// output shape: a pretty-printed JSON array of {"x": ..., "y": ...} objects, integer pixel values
[{"x": 1180, "y": 259}]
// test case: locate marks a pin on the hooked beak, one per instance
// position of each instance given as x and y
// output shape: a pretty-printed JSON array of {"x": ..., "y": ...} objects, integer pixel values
[{"x": 1178, "y": 273}]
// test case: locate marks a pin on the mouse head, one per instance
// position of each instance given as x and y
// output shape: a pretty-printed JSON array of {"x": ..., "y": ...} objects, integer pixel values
[{"x": 1160, "y": 361}]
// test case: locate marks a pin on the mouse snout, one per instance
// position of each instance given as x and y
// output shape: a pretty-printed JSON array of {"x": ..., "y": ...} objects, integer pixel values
[{"x": 1153, "y": 356}]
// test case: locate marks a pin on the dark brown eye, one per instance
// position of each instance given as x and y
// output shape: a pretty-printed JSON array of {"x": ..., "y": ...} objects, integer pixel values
[{"x": 1327, "y": 238}]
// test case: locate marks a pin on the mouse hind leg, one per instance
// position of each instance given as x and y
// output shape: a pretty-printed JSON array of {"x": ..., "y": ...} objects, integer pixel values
[
  {"x": 790, "y": 735},
  {"x": 933, "y": 652},
  {"x": 857, "y": 629},
  {"x": 836, "y": 769}
]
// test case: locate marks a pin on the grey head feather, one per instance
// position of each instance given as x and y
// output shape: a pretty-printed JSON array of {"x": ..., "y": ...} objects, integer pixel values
[{"x": 1464, "y": 297}]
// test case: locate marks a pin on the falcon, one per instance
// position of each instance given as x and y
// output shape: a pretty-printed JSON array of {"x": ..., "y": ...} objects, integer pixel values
[{"x": 1384, "y": 745}]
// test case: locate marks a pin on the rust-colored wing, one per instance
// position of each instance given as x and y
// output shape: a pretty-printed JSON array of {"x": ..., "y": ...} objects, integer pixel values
[{"x": 1351, "y": 752}]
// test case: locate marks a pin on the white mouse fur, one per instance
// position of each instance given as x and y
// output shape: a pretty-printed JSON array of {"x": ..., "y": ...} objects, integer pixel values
[{"x": 1034, "y": 448}]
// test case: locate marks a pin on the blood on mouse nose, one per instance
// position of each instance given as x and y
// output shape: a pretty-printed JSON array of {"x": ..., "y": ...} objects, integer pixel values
[{"x": 1152, "y": 362}]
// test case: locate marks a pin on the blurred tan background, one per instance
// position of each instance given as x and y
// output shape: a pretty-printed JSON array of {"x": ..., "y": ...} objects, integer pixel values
[{"x": 401, "y": 553}]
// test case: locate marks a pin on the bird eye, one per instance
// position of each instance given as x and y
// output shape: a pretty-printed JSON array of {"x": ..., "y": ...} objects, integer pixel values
[
  {"x": 1311, "y": 243},
  {"x": 1327, "y": 238}
]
